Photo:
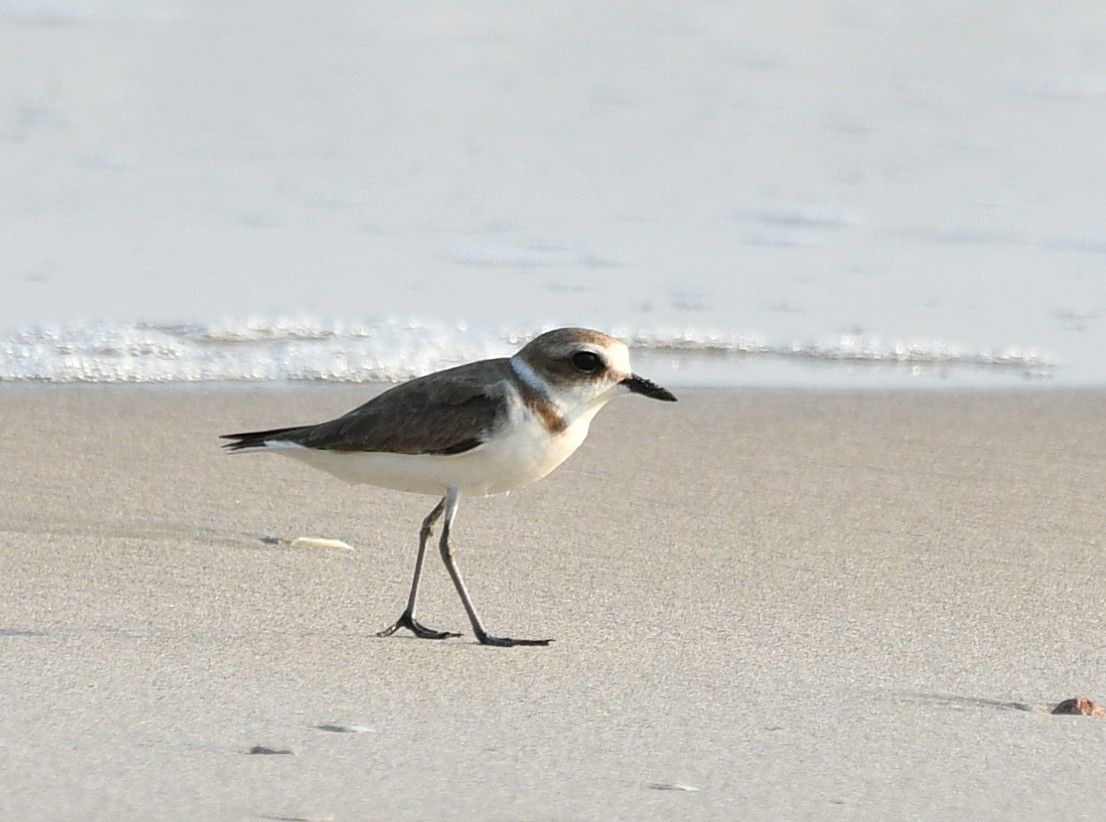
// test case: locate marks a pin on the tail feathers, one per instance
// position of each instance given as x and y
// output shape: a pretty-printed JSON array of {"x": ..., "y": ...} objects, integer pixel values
[{"x": 261, "y": 439}]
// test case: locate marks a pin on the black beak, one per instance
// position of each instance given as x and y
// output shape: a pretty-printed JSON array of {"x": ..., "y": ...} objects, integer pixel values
[{"x": 648, "y": 388}]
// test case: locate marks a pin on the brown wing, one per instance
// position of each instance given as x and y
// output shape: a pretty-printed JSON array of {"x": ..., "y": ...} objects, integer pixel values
[{"x": 448, "y": 412}]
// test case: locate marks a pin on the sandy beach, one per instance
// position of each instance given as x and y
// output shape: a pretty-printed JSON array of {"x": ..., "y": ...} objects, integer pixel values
[
  {"x": 766, "y": 605},
  {"x": 854, "y": 591}
]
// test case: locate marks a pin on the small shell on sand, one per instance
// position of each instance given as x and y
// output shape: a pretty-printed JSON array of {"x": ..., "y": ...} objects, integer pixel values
[
  {"x": 340, "y": 728},
  {"x": 308, "y": 542},
  {"x": 671, "y": 786},
  {"x": 1080, "y": 705},
  {"x": 319, "y": 542}
]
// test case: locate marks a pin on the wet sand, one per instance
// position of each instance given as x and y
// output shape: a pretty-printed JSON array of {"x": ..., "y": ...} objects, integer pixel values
[{"x": 766, "y": 605}]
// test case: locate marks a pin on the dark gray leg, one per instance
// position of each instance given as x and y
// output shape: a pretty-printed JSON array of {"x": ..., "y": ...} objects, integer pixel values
[
  {"x": 407, "y": 618},
  {"x": 451, "y": 502}
]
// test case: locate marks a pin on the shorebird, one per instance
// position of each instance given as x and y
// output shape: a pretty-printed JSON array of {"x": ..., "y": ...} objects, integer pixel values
[{"x": 484, "y": 428}]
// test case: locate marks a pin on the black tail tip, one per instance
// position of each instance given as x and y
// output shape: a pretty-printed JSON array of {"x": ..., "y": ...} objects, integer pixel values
[{"x": 240, "y": 441}]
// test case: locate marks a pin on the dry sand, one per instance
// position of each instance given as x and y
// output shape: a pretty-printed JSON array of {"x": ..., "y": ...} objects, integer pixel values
[{"x": 800, "y": 605}]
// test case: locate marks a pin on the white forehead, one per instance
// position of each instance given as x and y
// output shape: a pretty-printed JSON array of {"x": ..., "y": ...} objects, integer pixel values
[{"x": 614, "y": 352}]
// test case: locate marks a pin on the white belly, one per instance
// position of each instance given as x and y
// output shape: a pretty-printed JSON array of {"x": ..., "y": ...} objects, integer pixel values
[{"x": 522, "y": 453}]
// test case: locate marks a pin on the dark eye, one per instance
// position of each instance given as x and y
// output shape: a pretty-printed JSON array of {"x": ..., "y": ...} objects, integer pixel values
[{"x": 587, "y": 361}]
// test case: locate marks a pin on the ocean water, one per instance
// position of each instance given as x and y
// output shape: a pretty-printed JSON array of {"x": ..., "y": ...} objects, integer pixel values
[{"x": 795, "y": 193}]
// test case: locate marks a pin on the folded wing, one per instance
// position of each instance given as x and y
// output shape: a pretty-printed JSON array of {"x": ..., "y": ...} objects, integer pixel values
[{"x": 427, "y": 415}]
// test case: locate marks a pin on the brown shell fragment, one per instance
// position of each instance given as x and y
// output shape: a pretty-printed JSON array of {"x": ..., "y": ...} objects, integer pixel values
[{"x": 1079, "y": 706}]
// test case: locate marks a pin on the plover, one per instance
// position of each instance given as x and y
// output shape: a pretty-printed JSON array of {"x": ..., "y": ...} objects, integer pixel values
[{"x": 485, "y": 428}]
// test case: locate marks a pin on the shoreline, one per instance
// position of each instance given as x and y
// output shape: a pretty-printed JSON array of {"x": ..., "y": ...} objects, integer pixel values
[{"x": 898, "y": 384}]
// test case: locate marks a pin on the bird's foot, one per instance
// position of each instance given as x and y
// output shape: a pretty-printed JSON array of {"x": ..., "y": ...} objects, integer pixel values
[
  {"x": 409, "y": 622},
  {"x": 507, "y": 642}
]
